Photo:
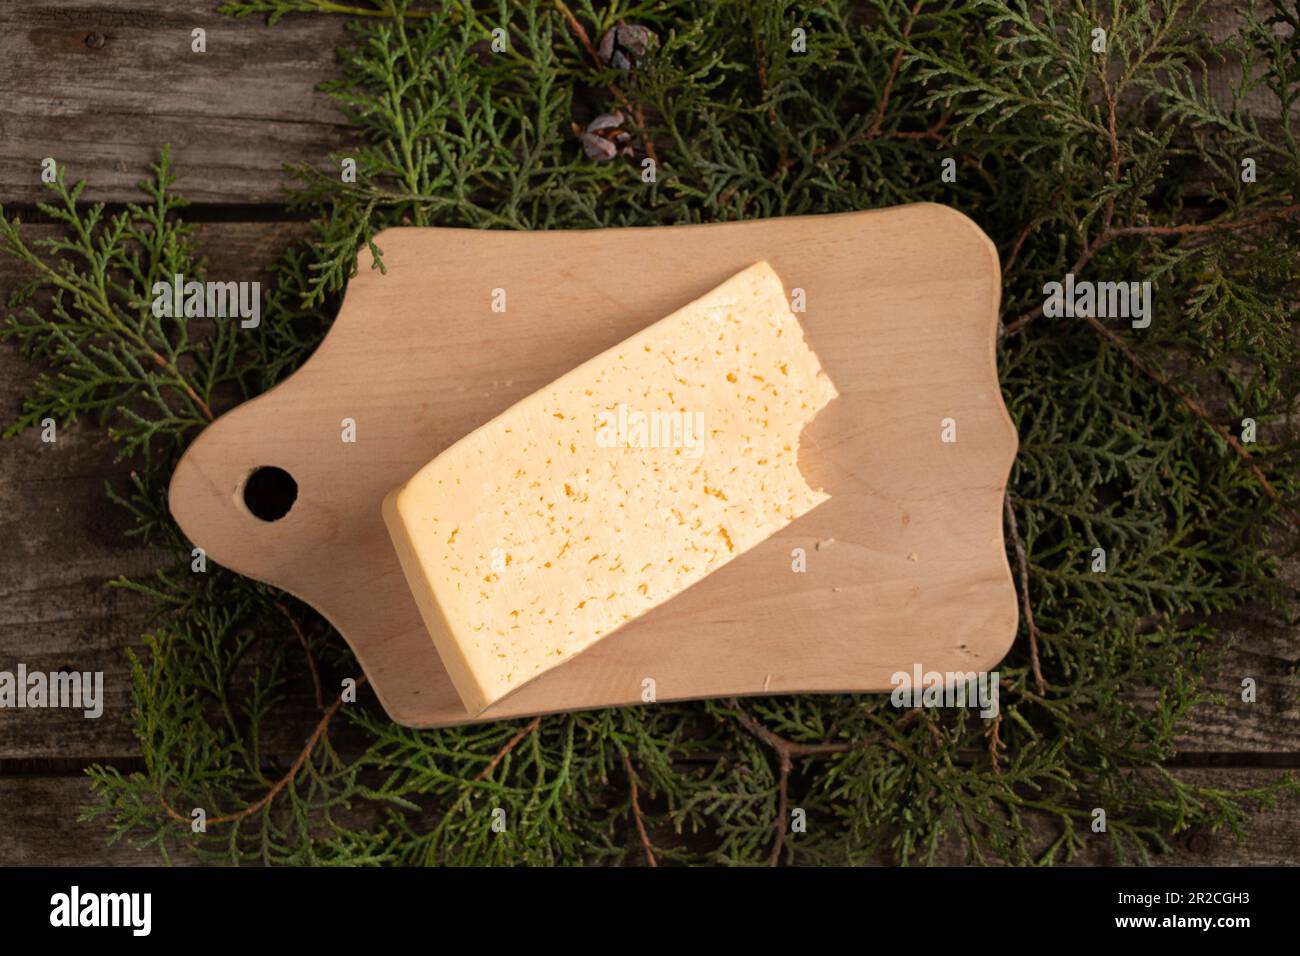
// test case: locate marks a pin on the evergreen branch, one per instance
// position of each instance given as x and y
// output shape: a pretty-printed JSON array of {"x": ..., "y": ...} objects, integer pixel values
[
  {"x": 112, "y": 354},
  {"x": 996, "y": 747},
  {"x": 892, "y": 76},
  {"x": 786, "y": 751},
  {"x": 306, "y": 648},
  {"x": 1110, "y": 233},
  {"x": 1199, "y": 411},
  {"x": 1026, "y": 607},
  {"x": 636, "y": 812},
  {"x": 510, "y": 745},
  {"x": 1189, "y": 229},
  {"x": 264, "y": 801},
  {"x": 760, "y": 64}
]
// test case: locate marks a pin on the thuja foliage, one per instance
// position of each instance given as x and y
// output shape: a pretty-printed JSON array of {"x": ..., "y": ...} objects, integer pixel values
[{"x": 1114, "y": 163}]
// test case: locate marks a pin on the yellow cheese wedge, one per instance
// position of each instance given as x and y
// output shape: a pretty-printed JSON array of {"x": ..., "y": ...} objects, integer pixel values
[{"x": 612, "y": 489}]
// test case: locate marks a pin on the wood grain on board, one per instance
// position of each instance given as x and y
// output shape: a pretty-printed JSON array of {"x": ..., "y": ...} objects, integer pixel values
[{"x": 902, "y": 311}]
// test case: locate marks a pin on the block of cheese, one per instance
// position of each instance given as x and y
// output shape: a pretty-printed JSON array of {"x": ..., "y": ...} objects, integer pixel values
[{"x": 612, "y": 489}]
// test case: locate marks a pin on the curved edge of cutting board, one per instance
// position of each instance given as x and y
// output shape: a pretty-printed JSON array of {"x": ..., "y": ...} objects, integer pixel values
[
  {"x": 995, "y": 653},
  {"x": 319, "y": 535}
]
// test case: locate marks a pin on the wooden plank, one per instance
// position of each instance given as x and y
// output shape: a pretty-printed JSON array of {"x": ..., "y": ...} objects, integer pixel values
[
  {"x": 1264, "y": 650},
  {"x": 40, "y": 828},
  {"x": 234, "y": 115},
  {"x": 64, "y": 541},
  {"x": 1223, "y": 19},
  {"x": 102, "y": 85},
  {"x": 1272, "y": 836}
]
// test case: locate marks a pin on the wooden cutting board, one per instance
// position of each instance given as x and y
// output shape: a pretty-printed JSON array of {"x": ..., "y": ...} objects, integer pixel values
[{"x": 905, "y": 564}]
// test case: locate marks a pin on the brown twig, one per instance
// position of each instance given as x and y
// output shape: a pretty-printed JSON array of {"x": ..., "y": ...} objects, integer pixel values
[
  {"x": 311, "y": 660},
  {"x": 1009, "y": 329},
  {"x": 762, "y": 84},
  {"x": 1016, "y": 246},
  {"x": 1027, "y": 608},
  {"x": 1112, "y": 140},
  {"x": 893, "y": 72},
  {"x": 1108, "y": 233},
  {"x": 1197, "y": 409},
  {"x": 524, "y": 731},
  {"x": 786, "y": 751},
  {"x": 935, "y": 132},
  {"x": 876, "y": 128},
  {"x": 636, "y": 812},
  {"x": 996, "y": 746},
  {"x": 936, "y": 734},
  {"x": 1198, "y": 228},
  {"x": 1024, "y": 319},
  {"x": 189, "y": 389},
  {"x": 579, "y": 30},
  {"x": 280, "y": 784},
  {"x": 783, "y": 156},
  {"x": 1185, "y": 229},
  {"x": 792, "y": 747},
  {"x": 638, "y": 114}
]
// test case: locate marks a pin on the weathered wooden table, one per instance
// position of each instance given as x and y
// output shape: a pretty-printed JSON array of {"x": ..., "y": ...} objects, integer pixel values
[{"x": 101, "y": 86}]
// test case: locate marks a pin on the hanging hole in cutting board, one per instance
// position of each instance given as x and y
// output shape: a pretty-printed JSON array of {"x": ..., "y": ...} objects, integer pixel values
[{"x": 269, "y": 492}]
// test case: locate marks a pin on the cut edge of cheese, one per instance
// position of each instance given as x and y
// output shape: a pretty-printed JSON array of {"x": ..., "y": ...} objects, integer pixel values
[
  {"x": 435, "y": 622},
  {"x": 407, "y": 505}
]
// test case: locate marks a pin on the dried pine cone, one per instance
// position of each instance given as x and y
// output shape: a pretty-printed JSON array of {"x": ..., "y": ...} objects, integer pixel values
[
  {"x": 604, "y": 138},
  {"x": 623, "y": 45}
]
